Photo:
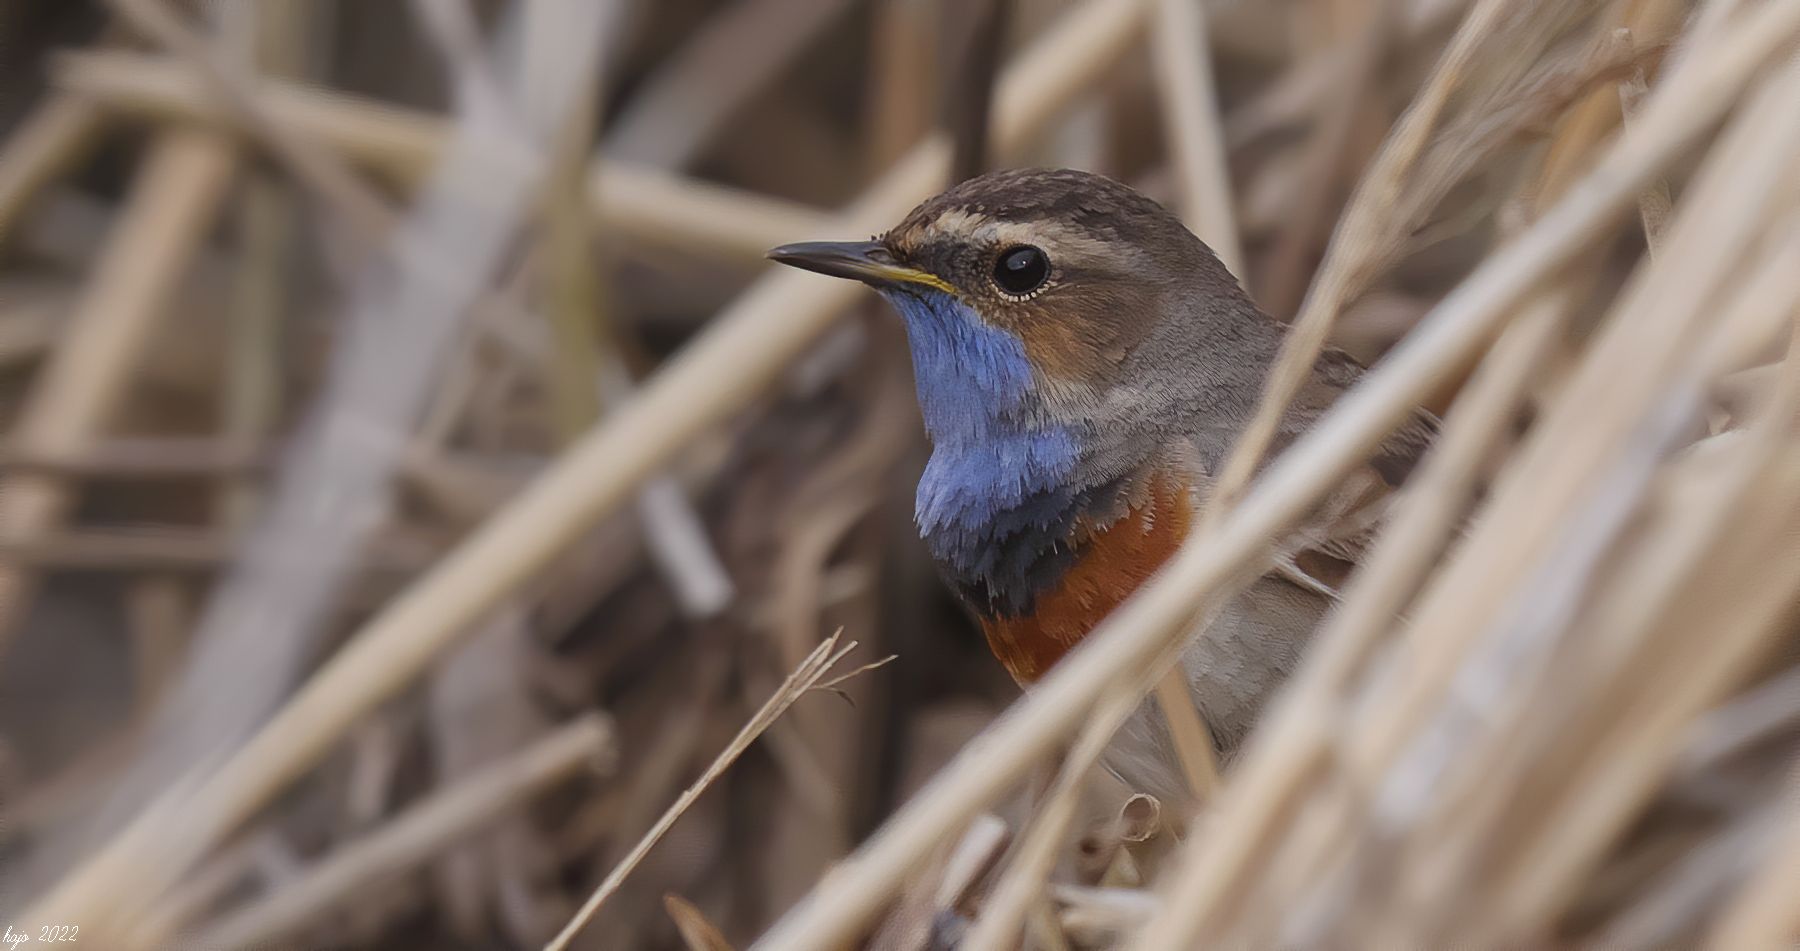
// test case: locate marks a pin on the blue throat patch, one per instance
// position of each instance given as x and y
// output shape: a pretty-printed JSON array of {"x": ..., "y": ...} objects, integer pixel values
[{"x": 995, "y": 499}]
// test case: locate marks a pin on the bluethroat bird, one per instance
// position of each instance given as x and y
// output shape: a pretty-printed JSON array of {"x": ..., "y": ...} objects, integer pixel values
[{"x": 1084, "y": 364}]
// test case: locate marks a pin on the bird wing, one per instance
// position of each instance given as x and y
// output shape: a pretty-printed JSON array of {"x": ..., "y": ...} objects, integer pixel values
[{"x": 1320, "y": 554}]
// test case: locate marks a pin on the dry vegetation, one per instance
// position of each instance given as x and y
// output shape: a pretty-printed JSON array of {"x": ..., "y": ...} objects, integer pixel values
[{"x": 414, "y": 490}]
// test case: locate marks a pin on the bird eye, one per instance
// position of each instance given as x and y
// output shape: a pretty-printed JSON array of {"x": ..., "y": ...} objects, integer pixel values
[{"x": 1020, "y": 270}]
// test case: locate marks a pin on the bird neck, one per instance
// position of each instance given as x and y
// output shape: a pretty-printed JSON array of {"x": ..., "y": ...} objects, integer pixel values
[{"x": 1001, "y": 496}]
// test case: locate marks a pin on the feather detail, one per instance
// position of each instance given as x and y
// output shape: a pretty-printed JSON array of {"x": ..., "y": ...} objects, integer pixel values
[{"x": 1111, "y": 563}]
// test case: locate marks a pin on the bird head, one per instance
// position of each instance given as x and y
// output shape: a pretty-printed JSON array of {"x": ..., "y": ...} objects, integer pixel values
[{"x": 1051, "y": 298}]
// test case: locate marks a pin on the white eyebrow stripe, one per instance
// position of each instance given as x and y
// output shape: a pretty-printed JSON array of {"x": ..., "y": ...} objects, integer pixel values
[{"x": 1056, "y": 239}]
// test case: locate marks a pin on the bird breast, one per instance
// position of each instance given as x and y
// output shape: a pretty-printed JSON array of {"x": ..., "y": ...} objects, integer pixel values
[{"x": 1111, "y": 563}]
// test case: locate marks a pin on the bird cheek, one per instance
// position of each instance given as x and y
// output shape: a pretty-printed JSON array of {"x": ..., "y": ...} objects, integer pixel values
[{"x": 1061, "y": 350}]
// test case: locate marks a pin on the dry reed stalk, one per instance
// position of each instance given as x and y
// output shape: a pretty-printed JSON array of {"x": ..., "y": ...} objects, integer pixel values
[
  {"x": 1746, "y": 574},
  {"x": 649, "y": 205},
  {"x": 454, "y": 28},
  {"x": 1718, "y": 221},
  {"x": 1295, "y": 787},
  {"x": 1650, "y": 23},
  {"x": 1676, "y": 116},
  {"x": 585, "y": 368},
  {"x": 970, "y": 860},
  {"x": 1773, "y": 706},
  {"x": 422, "y": 831},
  {"x": 1018, "y": 898},
  {"x": 747, "y": 346},
  {"x": 696, "y": 932},
  {"x": 571, "y": 290},
  {"x": 946, "y": 888},
  {"x": 1476, "y": 584},
  {"x": 271, "y": 38},
  {"x": 1334, "y": 148},
  {"x": 972, "y": 54},
  {"x": 174, "y": 549},
  {"x": 1675, "y": 906},
  {"x": 1657, "y": 203},
  {"x": 478, "y": 484},
  {"x": 70, "y": 226},
  {"x": 1302, "y": 90},
  {"x": 682, "y": 550},
  {"x": 260, "y": 624},
  {"x": 1524, "y": 840},
  {"x": 129, "y": 458},
  {"x": 1183, "y": 58},
  {"x": 1657, "y": 686},
  {"x": 1359, "y": 239},
  {"x": 1101, "y": 915},
  {"x": 1680, "y": 686},
  {"x": 803, "y": 680},
  {"x": 173, "y": 203},
  {"x": 1763, "y": 914},
  {"x": 824, "y": 517},
  {"x": 319, "y": 167},
  {"x": 240, "y": 862},
  {"x": 690, "y": 99},
  {"x": 316, "y": 165},
  {"x": 1020, "y": 890},
  {"x": 50, "y": 140},
  {"x": 800, "y": 566},
  {"x": 1436, "y": 496},
  {"x": 901, "y": 58},
  {"x": 1709, "y": 23},
  {"x": 587, "y": 371},
  {"x": 1191, "y": 736},
  {"x": 158, "y": 608},
  {"x": 321, "y": 170},
  {"x": 1748, "y": 488},
  {"x": 251, "y": 398},
  {"x": 29, "y": 325}
]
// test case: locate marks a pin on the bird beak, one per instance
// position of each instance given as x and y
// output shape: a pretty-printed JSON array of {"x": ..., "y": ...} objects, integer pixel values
[{"x": 867, "y": 261}]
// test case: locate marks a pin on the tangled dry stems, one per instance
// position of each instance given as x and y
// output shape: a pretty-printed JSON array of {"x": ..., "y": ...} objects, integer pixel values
[{"x": 1541, "y": 652}]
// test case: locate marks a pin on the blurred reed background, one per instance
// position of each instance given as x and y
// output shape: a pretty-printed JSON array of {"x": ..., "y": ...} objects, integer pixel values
[{"x": 412, "y": 478}]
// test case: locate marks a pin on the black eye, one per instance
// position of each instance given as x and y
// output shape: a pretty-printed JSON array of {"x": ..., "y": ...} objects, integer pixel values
[{"x": 1021, "y": 269}]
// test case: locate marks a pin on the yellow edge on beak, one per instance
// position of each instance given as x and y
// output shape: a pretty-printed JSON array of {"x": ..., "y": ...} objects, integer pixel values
[
  {"x": 867, "y": 261},
  {"x": 907, "y": 275}
]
